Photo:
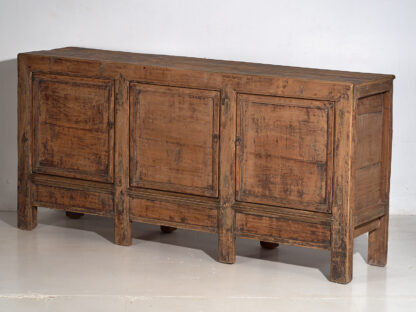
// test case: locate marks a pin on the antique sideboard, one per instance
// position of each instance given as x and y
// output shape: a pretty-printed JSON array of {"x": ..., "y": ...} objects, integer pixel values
[{"x": 272, "y": 153}]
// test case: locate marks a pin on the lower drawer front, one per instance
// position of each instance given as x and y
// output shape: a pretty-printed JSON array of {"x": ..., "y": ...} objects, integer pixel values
[
  {"x": 73, "y": 199},
  {"x": 284, "y": 231},
  {"x": 175, "y": 214}
]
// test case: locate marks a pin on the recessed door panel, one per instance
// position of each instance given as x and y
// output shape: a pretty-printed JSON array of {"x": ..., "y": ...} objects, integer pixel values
[
  {"x": 73, "y": 126},
  {"x": 174, "y": 139},
  {"x": 284, "y": 151}
]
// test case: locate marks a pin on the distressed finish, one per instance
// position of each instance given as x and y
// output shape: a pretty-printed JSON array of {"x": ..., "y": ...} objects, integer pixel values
[
  {"x": 272, "y": 153},
  {"x": 166, "y": 154}
]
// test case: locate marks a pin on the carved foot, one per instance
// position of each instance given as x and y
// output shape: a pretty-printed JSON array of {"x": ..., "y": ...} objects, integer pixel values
[
  {"x": 73, "y": 215},
  {"x": 167, "y": 229},
  {"x": 268, "y": 245}
]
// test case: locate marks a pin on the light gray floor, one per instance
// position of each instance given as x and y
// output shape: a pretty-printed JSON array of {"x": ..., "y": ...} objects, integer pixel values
[{"x": 72, "y": 265}]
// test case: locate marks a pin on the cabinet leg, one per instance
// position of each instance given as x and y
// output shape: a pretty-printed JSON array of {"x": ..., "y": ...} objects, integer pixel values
[
  {"x": 377, "y": 243},
  {"x": 268, "y": 245},
  {"x": 341, "y": 266},
  {"x": 167, "y": 229},
  {"x": 226, "y": 236},
  {"x": 74, "y": 215},
  {"x": 122, "y": 223},
  {"x": 226, "y": 248},
  {"x": 27, "y": 217},
  {"x": 342, "y": 247},
  {"x": 122, "y": 232}
]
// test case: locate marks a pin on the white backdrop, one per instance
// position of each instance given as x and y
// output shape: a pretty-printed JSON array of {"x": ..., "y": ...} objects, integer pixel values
[{"x": 370, "y": 36}]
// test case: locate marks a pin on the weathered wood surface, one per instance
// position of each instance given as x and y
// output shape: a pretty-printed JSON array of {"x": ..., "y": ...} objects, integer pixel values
[
  {"x": 226, "y": 213},
  {"x": 73, "y": 199},
  {"x": 174, "y": 139},
  {"x": 173, "y": 212},
  {"x": 122, "y": 222},
  {"x": 284, "y": 231},
  {"x": 73, "y": 126},
  {"x": 273, "y": 153},
  {"x": 342, "y": 236},
  {"x": 218, "y": 66},
  {"x": 26, "y": 211},
  {"x": 378, "y": 239},
  {"x": 284, "y": 151}
]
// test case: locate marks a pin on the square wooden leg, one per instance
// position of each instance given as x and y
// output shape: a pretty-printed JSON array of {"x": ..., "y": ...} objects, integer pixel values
[
  {"x": 341, "y": 265},
  {"x": 122, "y": 223},
  {"x": 226, "y": 236},
  {"x": 122, "y": 230},
  {"x": 27, "y": 216},
  {"x": 342, "y": 247},
  {"x": 226, "y": 249},
  {"x": 377, "y": 243}
]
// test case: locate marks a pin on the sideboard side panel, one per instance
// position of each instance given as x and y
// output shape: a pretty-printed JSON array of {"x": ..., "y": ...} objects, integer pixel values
[
  {"x": 369, "y": 200},
  {"x": 378, "y": 239}
]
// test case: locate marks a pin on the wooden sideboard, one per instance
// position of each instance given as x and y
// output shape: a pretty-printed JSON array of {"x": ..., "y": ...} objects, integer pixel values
[{"x": 273, "y": 153}]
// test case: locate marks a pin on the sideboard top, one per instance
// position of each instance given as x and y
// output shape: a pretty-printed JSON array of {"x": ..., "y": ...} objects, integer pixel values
[{"x": 211, "y": 65}]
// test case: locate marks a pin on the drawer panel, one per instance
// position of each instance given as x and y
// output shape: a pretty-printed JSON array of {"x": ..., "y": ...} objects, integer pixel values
[
  {"x": 174, "y": 139},
  {"x": 284, "y": 231},
  {"x": 73, "y": 200},
  {"x": 73, "y": 127},
  {"x": 180, "y": 214},
  {"x": 284, "y": 152}
]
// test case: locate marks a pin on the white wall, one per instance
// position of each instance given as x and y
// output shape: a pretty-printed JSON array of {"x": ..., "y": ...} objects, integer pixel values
[{"x": 370, "y": 36}]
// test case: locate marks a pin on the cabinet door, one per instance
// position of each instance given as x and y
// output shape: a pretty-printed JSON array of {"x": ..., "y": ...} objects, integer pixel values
[
  {"x": 284, "y": 152},
  {"x": 73, "y": 126},
  {"x": 174, "y": 139}
]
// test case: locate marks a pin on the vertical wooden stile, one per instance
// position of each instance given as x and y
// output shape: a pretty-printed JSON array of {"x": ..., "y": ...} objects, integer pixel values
[
  {"x": 226, "y": 214},
  {"x": 122, "y": 224},
  {"x": 26, "y": 213},
  {"x": 342, "y": 232}
]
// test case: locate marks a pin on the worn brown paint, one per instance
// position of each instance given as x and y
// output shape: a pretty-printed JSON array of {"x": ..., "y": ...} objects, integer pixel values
[{"x": 273, "y": 153}]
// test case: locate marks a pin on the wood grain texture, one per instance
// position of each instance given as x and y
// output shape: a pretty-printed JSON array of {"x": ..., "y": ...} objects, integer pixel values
[
  {"x": 342, "y": 233},
  {"x": 369, "y": 202},
  {"x": 273, "y": 153},
  {"x": 155, "y": 211},
  {"x": 73, "y": 126},
  {"x": 122, "y": 223},
  {"x": 378, "y": 239},
  {"x": 366, "y": 227},
  {"x": 387, "y": 145},
  {"x": 210, "y": 65},
  {"x": 284, "y": 231},
  {"x": 226, "y": 213},
  {"x": 283, "y": 213},
  {"x": 377, "y": 243},
  {"x": 26, "y": 212},
  {"x": 73, "y": 200},
  {"x": 284, "y": 150},
  {"x": 174, "y": 139},
  {"x": 384, "y": 84}
]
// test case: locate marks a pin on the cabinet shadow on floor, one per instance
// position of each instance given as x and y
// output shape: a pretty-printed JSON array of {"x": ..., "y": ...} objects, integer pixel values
[
  {"x": 8, "y": 135},
  {"x": 205, "y": 242}
]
